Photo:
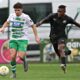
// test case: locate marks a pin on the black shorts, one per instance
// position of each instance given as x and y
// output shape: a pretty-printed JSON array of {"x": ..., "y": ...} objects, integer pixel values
[{"x": 58, "y": 40}]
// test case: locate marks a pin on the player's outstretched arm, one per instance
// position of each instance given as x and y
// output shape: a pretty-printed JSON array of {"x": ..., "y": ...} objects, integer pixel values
[
  {"x": 72, "y": 21},
  {"x": 77, "y": 24},
  {"x": 35, "y": 33},
  {"x": 46, "y": 19},
  {"x": 6, "y": 24},
  {"x": 41, "y": 22}
]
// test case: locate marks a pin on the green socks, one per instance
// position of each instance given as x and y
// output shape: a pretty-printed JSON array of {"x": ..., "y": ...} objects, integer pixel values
[{"x": 13, "y": 66}]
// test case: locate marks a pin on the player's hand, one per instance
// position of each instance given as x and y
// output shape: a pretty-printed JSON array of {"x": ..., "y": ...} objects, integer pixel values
[
  {"x": 37, "y": 39},
  {"x": 1, "y": 29},
  {"x": 38, "y": 24}
]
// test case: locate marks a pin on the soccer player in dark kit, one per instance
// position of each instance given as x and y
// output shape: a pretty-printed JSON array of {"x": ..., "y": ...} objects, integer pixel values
[{"x": 58, "y": 22}]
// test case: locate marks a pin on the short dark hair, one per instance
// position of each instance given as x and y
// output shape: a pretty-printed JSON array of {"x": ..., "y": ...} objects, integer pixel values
[
  {"x": 18, "y": 5},
  {"x": 62, "y": 6}
]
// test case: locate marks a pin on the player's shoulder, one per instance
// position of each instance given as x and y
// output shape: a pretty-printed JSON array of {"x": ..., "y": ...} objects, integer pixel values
[
  {"x": 52, "y": 14},
  {"x": 25, "y": 15},
  {"x": 68, "y": 17},
  {"x": 55, "y": 13},
  {"x": 12, "y": 14}
]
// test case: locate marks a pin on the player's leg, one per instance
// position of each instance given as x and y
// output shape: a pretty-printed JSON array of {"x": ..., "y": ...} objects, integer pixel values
[
  {"x": 22, "y": 53},
  {"x": 22, "y": 56},
  {"x": 13, "y": 53},
  {"x": 55, "y": 46},
  {"x": 61, "y": 57},
  {"x": 67, "y": 51},
  {"x": 13, "y": 63},
  {"x": 61, "y": 48}
]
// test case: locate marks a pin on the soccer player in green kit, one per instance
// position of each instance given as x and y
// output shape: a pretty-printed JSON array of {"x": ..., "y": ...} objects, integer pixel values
[{"x": 19, "y": 23}]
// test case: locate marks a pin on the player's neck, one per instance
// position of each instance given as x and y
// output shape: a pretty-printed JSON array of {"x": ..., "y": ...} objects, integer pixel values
[
  {"x": 61, "y": 15},
  {"x": 19, "y": 14}
]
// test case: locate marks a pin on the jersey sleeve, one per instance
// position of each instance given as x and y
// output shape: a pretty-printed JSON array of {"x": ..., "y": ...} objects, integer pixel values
[
  {"x": 29, "y": 21},
  {"x": 72, "y": 21},
  {"x": 46, "y": 19}
]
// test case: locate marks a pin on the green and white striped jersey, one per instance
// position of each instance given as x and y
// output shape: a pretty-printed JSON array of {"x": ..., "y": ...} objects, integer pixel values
[{"x": 19, "y": 26}]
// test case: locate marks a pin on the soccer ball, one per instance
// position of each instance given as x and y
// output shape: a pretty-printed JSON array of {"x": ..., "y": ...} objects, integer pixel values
[{"x": 4, "y": 70}]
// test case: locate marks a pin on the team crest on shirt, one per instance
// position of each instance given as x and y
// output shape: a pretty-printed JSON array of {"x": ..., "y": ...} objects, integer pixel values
[
  {"x": 23, "y": 19},
  {"x": 64, "y": 21},
  {"x": 54, "y": 19}
]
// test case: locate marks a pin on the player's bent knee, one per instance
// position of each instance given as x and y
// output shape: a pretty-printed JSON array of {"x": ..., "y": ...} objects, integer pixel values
[
  {"x": 13, "y": 57},
  {"x": 21, "y": 54}
]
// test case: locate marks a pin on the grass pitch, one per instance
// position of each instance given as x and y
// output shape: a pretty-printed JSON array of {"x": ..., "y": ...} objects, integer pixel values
[{"x": 46, "y": 72}]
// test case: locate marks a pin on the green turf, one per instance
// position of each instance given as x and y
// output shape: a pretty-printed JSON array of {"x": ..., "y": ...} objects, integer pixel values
[{"x": 46, "y": 72}]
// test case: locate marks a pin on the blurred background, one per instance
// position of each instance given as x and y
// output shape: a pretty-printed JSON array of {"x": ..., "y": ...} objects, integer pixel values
[{"x": 38, "y": 9}]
